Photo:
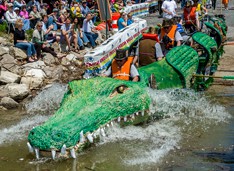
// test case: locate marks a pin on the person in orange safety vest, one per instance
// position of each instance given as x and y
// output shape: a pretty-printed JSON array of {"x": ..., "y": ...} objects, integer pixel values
[
  {"x": 169, "y": 38},
  {"x": 191, "y": 17},
  {"x": 122, "y": 67}
]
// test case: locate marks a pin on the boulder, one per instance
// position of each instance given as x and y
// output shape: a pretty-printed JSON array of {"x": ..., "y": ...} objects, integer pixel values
[
  {"x": 17, "y": 53},
  {"x": 2, "y": 40},
  {"x": 3, "y": 51},
  {"x": 17, "y": 91},
  {"x": 32, "y": 82},
  {"x": 34, "y": 65},
  {"x": 48, "y": 59},
  {"x": 9, "y": 103},
  {"x": 7, "y": 77},
  {"x": 9, "y": 63},
  {"x": 71, "y": 57},
  {"x": 54, "y": 72},
  {"x": 39, "y": 73},
  {"x": 65, "y": 62},
  {"x": 7, "y": 49},
  {"x": 3, "y": 92}
]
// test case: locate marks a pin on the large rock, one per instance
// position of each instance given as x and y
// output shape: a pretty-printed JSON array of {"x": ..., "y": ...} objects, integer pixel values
[
  {"x": 7, "y": 77},
  {"x": 32, "y": 82},
  {"x": 71, "y": 57},
  {"x": 38, "y": 73},
  {"x": 3, "y": 91},
  {"x": 9, "y": 103},
  {"x": 17, "y": 91},
  {"x": 48, "y": 59},
  {"x": 54, "y": 72},
  {"x": 3, "y": 51},
  {"x": 17, "y": 53},
  {"x": 9, "y": 63},
  {"x": 34, "y": 65}
]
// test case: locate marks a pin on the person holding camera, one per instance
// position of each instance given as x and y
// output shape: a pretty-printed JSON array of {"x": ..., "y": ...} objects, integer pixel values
[{"x": 168, "y": 37}]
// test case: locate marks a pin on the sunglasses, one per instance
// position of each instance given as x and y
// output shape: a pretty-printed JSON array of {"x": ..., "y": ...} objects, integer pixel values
[{"x": 166, "y": 27}]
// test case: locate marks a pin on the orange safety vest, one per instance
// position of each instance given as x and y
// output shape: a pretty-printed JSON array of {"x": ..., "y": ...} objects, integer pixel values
[
  {"x": 190, "y": 17},
  {"x": 122, "y": 73},
  {"x": 171, "y": 35}
]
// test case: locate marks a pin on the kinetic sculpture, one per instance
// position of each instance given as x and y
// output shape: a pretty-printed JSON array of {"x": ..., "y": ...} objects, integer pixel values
[{"x": 91, "y": 106}]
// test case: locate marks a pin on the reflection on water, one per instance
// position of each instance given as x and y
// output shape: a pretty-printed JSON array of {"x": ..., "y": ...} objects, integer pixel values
[{"x": 187, "y": 119}]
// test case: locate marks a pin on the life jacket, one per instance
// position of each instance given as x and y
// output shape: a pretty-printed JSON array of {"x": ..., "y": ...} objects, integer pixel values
[
  {"x": 122, "y": 73},
  {"x": 150, "y": 36},
  {"x": 147, "y": 52},
  {"x": 171, "y": 35},
  {"x": 190, "y": 17}
]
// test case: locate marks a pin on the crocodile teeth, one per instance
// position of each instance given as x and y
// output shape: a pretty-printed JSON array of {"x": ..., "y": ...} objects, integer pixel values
[
  {"x": 73, "y": 153},
  {"x": 108, "y": 125},
  {"x": 53, "y": 153},
  {"x": 37, "y": 153},
  {"x": 143, "y": 113},
  {"x": 63, "y": 149},
  {"x": 112, "y": 124},
  {"x": 30, "y": 148},
  {"x": 137, "y": 113},
  {"x": 103, "y": 132},
  {"x": 125, "y": 119},
  {"x": 119, "y": 119},
  {"x": 90, "y": 137},
  {"x": 133, "y": 116},
  {"x": 82, "y": 138}
]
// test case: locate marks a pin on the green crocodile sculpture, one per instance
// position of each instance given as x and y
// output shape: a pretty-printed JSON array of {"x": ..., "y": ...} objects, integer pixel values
[{"x": 91, "y": 106}]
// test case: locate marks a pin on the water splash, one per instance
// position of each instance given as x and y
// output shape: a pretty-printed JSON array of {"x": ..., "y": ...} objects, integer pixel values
[
  {"x": 18, "y": 131},
  {"x": 48, "y": 100},
  {"x": 183, "y": 111}
]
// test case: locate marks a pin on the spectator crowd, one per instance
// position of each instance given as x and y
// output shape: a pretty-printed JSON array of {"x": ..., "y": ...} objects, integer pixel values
[{"x": 69, "y": 22}]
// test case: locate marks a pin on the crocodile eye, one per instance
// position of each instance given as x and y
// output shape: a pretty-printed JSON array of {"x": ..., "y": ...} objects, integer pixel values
[{"x": 119, "y": 90}]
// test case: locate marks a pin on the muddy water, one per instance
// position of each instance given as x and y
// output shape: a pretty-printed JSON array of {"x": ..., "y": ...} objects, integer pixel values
[{"x": 196, "y": 134}]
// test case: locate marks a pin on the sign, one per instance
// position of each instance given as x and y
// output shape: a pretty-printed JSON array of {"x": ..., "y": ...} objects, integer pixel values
[{"x": 104, "y": 9}]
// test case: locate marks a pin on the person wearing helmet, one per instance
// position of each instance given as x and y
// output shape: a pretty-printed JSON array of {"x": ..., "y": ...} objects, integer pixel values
[{"x": 122, "y": 67}]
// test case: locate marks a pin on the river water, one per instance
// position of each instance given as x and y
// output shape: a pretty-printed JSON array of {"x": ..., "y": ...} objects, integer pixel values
[{"x": 195, "y": 132}]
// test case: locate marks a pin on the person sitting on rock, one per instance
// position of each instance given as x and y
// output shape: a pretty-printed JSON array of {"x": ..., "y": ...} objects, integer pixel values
[
  {"x": 68, "y": 35},
  {"x": 168, "y": 37},
  {"x": 40, "y": 42},
  {"x": 35, "y": 16},
  {"x": 90, "y": 30},
  {"x": 122, "y": 67},
  {"x": 21, "y": 42}
]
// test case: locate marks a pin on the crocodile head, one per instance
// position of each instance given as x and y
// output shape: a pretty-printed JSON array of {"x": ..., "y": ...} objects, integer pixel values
[{"x": 88, "y": 106}]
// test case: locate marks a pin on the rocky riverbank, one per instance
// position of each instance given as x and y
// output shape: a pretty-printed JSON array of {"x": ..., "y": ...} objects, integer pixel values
[{"x": 20, "y": 80}]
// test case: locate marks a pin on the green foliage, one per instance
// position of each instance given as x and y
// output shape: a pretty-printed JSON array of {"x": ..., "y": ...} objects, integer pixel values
[
  {"x": 3, "y": 27},
  {"x": 29, "y": 34}
]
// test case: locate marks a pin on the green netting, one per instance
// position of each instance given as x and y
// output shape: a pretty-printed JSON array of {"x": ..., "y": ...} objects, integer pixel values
[
  {"x": 205, "y": 41},
  {"x": 221, "y": 23},
  {"x": 87, "y": 106},
  {"x": 185, "y": 60},
  {"x": 166, "y": 76},
  {"x": 211, "y": 26}
]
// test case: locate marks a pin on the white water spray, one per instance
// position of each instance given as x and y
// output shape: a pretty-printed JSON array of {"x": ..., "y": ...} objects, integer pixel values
[
  {"x": 173, "y": 112},
  {"x": 48, "y": 100},
  {"x": 18, "y": 130},
  {"x": 45, "y": 102}
]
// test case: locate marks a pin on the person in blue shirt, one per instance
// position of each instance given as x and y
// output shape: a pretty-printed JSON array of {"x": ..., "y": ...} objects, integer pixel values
[
  {"x": 130, "y": 20},
  {"x": 122, "y": 22}
]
